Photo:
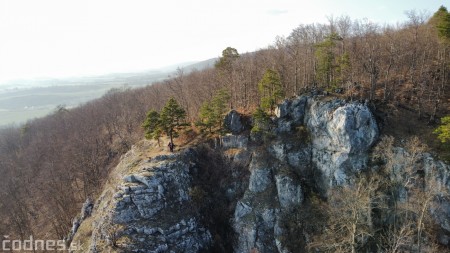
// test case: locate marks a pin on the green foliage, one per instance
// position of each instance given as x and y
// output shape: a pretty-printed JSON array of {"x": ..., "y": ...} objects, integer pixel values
[
  {"x": 172, "y": 118},
  {"x": 325, "y": 59},
  {"x": 343, "y": 68},
  {"x": 443, "y": 131},
  {"x": 441, "y": 20},
  {"x": 212, "y": 112},
  {"x": 326, "y": 65},
  {"x": 229, "y": 54},
  {"x": 169, "y": 121},
  {"x": 152, "y": 126},
  {"x": 261, "y": 121},
  {"x": 206, "y": 117},
  {"x": 270, "y": 89}
]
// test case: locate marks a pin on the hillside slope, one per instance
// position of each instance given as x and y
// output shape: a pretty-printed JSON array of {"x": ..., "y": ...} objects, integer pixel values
[{"x": 288, "y": 190}]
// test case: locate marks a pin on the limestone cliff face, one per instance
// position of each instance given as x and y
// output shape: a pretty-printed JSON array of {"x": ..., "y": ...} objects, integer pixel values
[
  {"x": 148, "y": 208},
  {"x": 342, "y": 134},
  {"x": 335, "y": 147},
  {"x": 152, "y": 205}
]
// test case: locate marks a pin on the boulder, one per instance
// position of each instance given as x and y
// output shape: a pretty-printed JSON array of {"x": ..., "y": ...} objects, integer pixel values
[
  {"x": 233, "y": 122},
  {"x": 342, "y": 134}
]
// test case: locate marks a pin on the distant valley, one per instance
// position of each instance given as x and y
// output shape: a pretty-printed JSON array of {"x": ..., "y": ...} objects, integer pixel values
[{"x": 23, "y": 100}]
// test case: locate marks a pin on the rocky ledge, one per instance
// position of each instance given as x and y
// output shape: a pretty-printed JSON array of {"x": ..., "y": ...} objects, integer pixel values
[{"x": 314, "y": 145}]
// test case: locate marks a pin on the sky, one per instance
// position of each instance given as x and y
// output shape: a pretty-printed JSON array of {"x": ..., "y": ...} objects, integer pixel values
[{"x": 63, "y": 38}]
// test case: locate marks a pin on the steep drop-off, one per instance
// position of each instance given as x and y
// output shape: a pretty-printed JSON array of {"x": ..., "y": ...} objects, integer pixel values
[{"x": 234, "y": 194}]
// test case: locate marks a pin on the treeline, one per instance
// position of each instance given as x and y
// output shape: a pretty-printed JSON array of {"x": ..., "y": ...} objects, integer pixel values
[{"x": 49, "y": 166}]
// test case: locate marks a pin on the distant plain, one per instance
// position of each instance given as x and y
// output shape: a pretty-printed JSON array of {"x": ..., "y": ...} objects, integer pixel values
[{"x": 24, "y": 100}]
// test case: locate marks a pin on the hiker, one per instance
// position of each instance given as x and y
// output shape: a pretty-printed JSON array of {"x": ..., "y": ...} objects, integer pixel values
[{"x": 171, "y": 146}]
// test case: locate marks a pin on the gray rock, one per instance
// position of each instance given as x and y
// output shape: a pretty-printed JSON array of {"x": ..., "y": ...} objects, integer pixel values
[
  {"x": 298, "y": 109},
  {"x": 233, "y": 122},
  {"x": 284, "y": 126},
  {"x": 282, "y": 109},
  {"x": 241, "y": 210},
  {"x": 153, "y": 210},
  {"x": 260, "y": 179},
  {"x": 260, "y": 173},
  {"x": 233, "y": 141},
  {"x": 279, "y": 150},
  {"x": 86, "y": 210},
  {"x": 290, "y": 192},
  {"x": 290, "y": 113},
  {"x": 342, "y": 134}
]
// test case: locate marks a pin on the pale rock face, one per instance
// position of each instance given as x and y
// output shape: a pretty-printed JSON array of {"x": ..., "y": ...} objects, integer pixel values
[
  {"x": 342, "y": 134},
  {"x": 153, "y": 209},
  {"x": 340, "y": 137},
  {"x": 261, "y": 175},
  {"x": 290, "y": 192},
  {"x": 152, "y": 206},
  {"x": 282, "y": 109},
  {"x": 290, "y": 113}
]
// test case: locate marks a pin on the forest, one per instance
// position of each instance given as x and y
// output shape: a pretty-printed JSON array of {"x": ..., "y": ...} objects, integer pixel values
[{"x": 51, "y": 165}]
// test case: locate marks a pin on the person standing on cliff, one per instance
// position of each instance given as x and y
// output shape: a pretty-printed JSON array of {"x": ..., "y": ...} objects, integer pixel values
[{"x": 171, "y": 146}]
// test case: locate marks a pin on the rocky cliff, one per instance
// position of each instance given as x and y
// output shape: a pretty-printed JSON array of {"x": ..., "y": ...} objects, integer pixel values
[{"x": 242, "y": 198}]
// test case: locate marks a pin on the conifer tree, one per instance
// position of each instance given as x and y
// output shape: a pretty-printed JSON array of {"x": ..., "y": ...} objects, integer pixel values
[
  {"x": 441, "y": 20},
  {"x": 172, "y": 118},
  {"x": 212, "y": 112},
  {"x": 206, "y": 116},
  {"x": 152, "y": 126},
  {"x": 261, "y": 120},
  {"x": 270, "y": 89},
  {"x": 229, "y": 54},
  {"x": 326, "y": 60}
]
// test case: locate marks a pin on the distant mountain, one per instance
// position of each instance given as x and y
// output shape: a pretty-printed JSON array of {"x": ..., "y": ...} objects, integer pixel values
[
  {"x": 201, "y": 65},
  {"x": 189, "y": 66}
]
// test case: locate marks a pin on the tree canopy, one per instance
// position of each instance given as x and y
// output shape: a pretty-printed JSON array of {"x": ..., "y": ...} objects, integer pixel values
[
  {"x": 212, "y": 111},
  {"x": 169, "y": 121},
  {"x": 443, "y": 131},
  {"x": 229, "y": 54},
  {"x": 270, "y": 89},
  {"x": 441, "y": 20},
  {"x": 172, "y": 118},
  {"x": 152, "y": 126}
]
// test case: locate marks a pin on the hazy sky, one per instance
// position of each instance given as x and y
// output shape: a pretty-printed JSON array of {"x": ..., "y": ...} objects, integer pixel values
[{"x": 54, "y": 38}]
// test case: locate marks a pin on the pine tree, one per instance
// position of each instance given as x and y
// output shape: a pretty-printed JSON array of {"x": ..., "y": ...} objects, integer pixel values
[
  {"x": 441, "y": 20},
  {"x": 326, "y": 60},
  {"x": 212, "y": 112},
  {"x": 219, "y": 106},
  {"x": 152, "y": 126},
  {"x": 261, "y": 121},
  {"x": 229, "y": 54},
  {"x": 172, "y": 118},
  {"x": 270, "y": 89},
  {"x": 206, "y": 117}
]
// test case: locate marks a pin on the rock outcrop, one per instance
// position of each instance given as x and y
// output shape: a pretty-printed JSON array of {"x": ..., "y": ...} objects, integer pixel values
[
  {"x": 234, "y": 122},
  {"x": 342, "y": 134},
  {"x": 315, "y": 144},
  {"x": 149, "y": 209},
  {"x": 338, "y": 137}
]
